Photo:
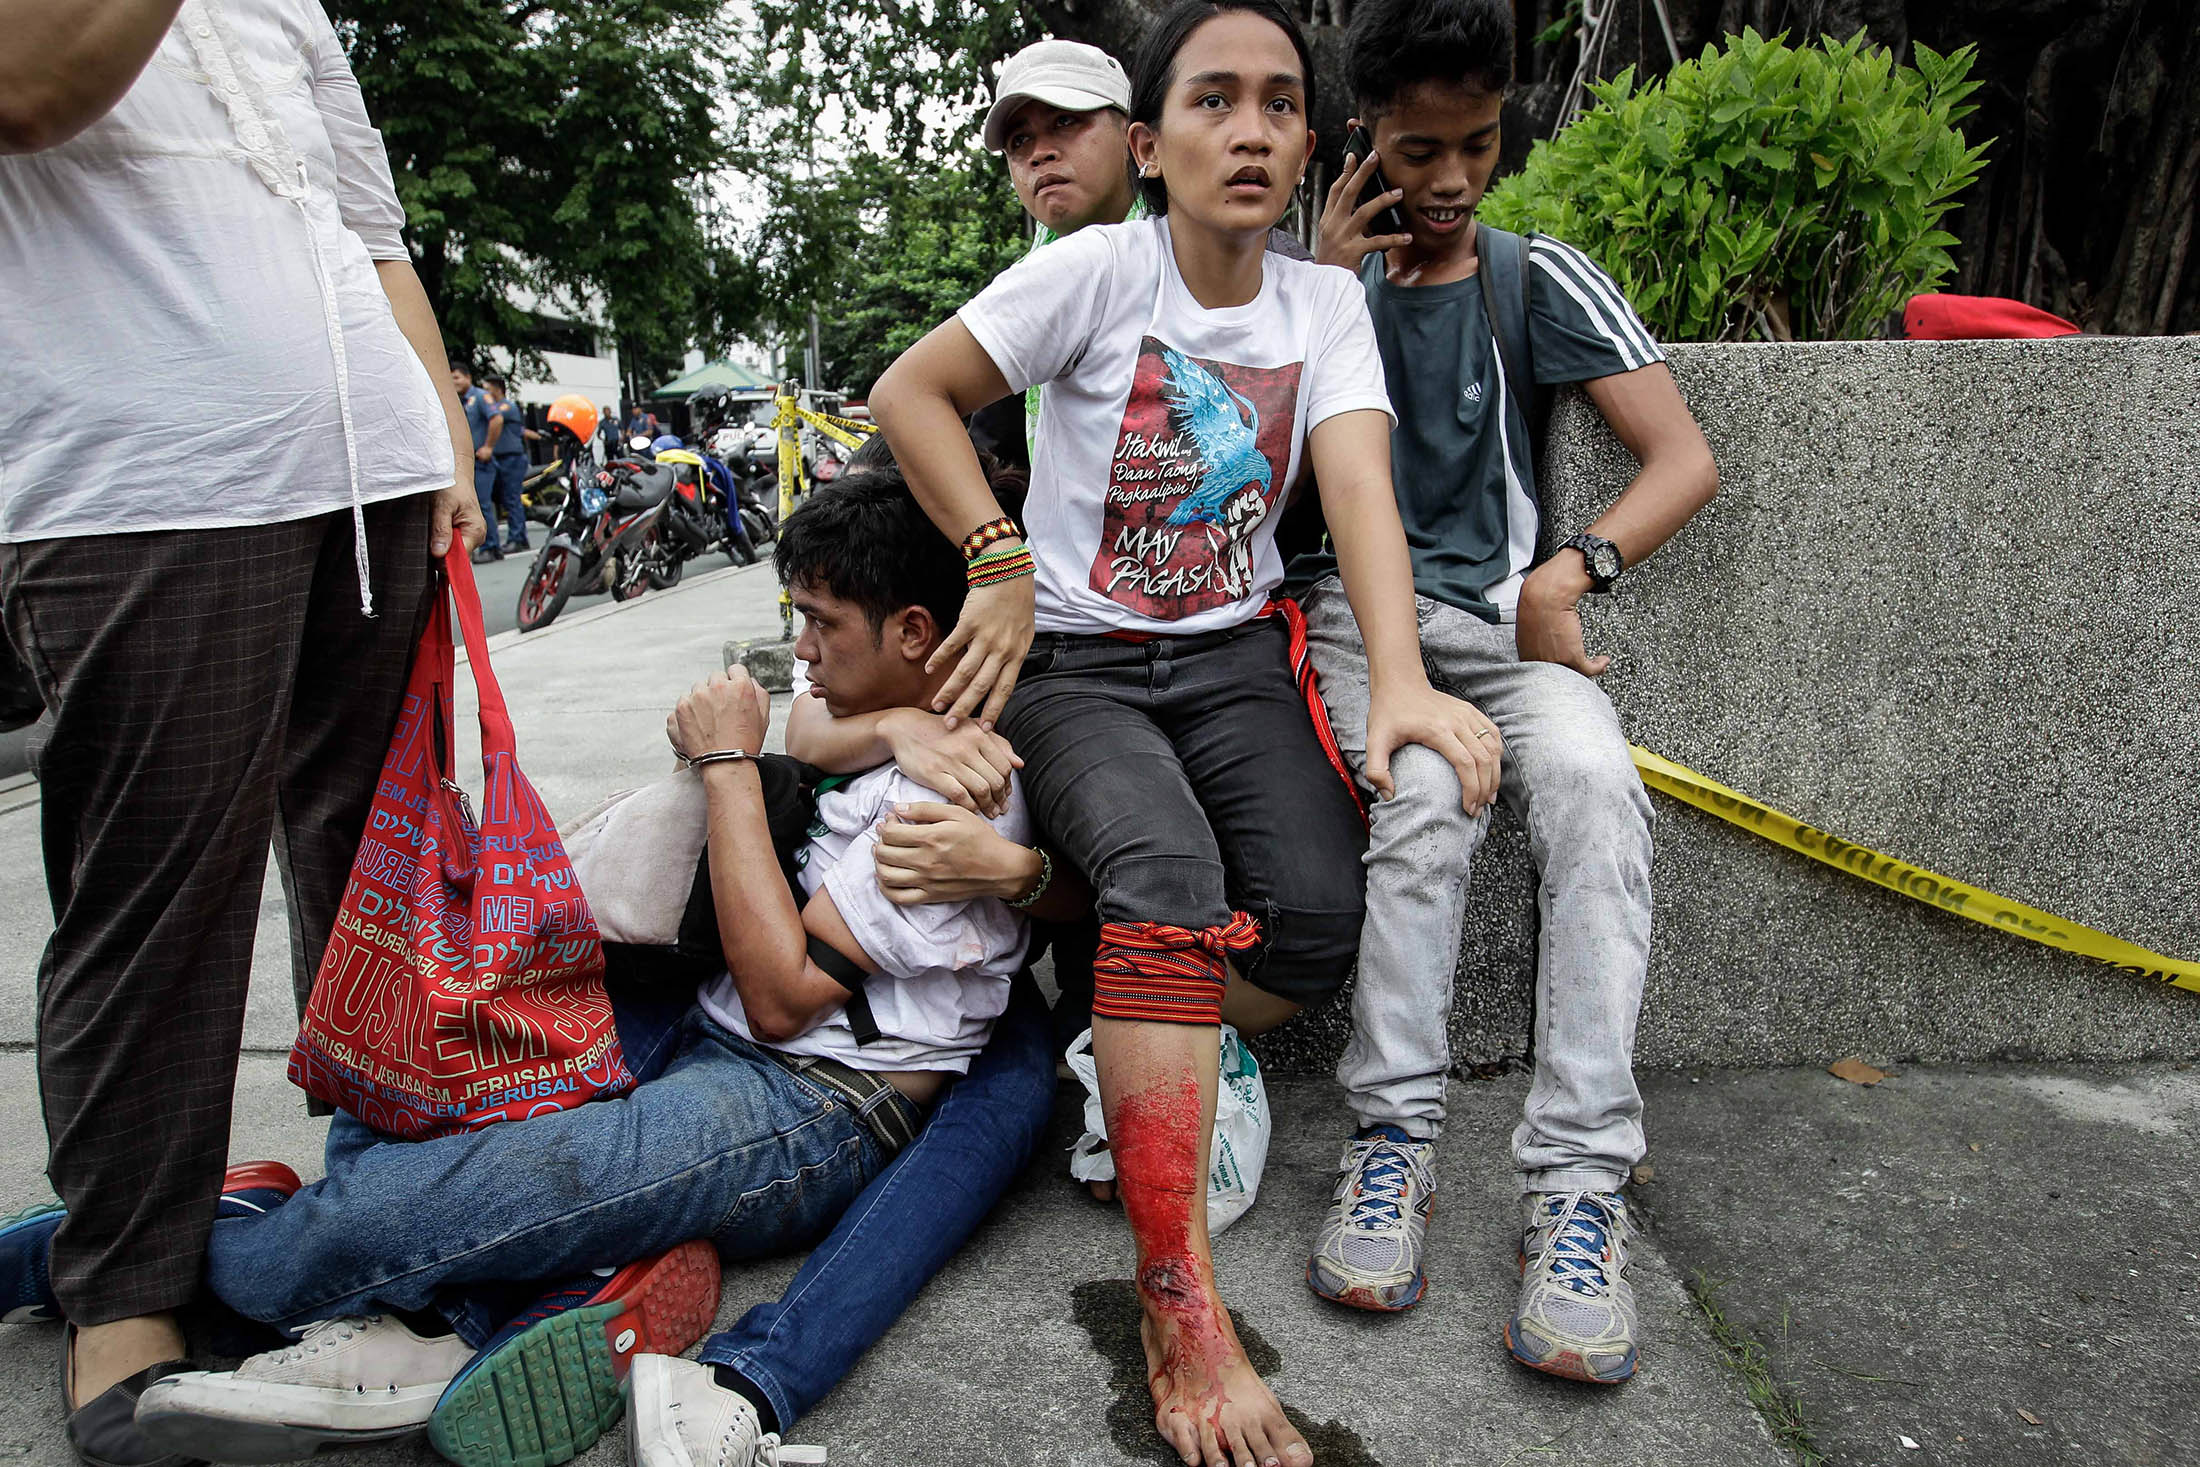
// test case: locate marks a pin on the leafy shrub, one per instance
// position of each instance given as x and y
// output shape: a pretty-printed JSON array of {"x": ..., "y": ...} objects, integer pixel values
[{"x": 1761, "y": 190}]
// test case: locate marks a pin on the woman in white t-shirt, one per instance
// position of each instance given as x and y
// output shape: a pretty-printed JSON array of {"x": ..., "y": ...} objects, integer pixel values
[{"x": 1167, "y": 747}]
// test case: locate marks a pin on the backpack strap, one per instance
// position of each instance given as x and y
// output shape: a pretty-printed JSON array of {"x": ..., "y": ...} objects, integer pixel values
[{"x": 1504, "y": 272}]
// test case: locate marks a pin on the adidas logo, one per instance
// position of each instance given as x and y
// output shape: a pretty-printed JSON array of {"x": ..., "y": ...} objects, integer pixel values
[{"x": 1473, "y": 392}]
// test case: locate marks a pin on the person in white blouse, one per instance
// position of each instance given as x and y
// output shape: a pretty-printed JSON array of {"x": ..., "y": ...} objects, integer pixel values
[{"x": 225, "y": 465}]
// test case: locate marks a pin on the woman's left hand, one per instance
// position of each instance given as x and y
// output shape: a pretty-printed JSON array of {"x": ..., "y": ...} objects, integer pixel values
[
  {"x": 944, "y": 853},
  {"x": 1453, "y": 727}
]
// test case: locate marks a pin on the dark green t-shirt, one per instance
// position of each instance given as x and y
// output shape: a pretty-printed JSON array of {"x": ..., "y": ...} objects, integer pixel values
[{"x": 1459, "y": 455}]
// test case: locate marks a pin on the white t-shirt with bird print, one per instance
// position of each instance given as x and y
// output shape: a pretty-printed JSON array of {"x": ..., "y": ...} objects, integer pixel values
[{"x": 1172, "y": 433}]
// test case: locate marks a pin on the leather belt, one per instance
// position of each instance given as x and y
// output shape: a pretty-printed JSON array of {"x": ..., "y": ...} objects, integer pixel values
[{"x": 892, "y": 1118}]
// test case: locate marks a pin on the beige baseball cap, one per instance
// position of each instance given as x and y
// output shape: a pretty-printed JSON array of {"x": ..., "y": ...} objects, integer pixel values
[{"x": 1066, "y": 74}]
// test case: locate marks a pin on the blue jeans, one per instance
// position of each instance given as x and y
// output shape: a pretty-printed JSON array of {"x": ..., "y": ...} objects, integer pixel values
[
  {"x": 485, "y": 491},
  {"x": 906, "y": 1225},
  {"x": 724, "y": 1144},
  {"x": 511, "y": 476}
]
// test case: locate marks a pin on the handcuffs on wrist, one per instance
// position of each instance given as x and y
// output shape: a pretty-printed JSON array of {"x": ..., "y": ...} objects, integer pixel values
[{"x": 716, "y": 756}]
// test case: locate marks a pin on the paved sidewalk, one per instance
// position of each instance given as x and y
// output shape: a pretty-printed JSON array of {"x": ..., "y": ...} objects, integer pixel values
[{"x": 1929, "y": 1259}]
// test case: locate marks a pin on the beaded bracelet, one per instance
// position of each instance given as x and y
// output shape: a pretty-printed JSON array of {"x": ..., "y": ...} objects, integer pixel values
[
  {"x": 1046, "y": 879},
  {"x": 1001, "y": 565},
  {"x": 974, "y": 543}
]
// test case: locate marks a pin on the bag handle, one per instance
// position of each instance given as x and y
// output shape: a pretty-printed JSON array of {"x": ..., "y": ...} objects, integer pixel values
[{"x": 496, "y": 721}]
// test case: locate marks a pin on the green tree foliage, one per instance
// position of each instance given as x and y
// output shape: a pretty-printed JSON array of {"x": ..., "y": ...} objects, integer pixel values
[
  {"x": 1762, "y": 190},
  {"x": 564, "y": 147},
  {"x": 940, "y": 236},
  {"x": 857, "y": 142}
]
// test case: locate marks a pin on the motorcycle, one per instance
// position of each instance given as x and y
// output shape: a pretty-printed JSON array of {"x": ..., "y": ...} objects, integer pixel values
[
  {"x": 754, "y": 474},
  {"x": 695, "y": 518},
  {"x": 607, "y": 537}
]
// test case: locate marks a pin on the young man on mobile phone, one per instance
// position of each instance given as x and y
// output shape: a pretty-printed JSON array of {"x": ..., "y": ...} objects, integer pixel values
[{"x": 1503, "y": 631}]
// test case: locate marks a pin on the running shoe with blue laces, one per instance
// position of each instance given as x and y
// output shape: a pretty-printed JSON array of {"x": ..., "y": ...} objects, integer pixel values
[
  {"x": 541, "y": 1390},
  {"x": 1369, "y": 1253},
  {"x": 1576, "y": 1312}
]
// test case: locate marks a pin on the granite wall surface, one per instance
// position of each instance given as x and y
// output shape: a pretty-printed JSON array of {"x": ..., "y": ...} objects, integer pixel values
[{"x": 1944, "y": 606}]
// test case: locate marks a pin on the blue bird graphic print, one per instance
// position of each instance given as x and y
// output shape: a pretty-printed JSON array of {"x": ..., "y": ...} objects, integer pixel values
[
  {"x": 1197, "y": 475},
  {"x": 1223, "y": 428}
]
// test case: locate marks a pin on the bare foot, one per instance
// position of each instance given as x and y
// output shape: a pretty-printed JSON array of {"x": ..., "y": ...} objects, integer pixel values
[
  {"x": 1102, "y": 1189},
  {"x": 1209, "y": 1403},
  {"x": 108, "y": 1353}
]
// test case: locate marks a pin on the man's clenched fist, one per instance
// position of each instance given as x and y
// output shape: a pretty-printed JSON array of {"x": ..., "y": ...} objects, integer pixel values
[{"x": 728, "y": 710}]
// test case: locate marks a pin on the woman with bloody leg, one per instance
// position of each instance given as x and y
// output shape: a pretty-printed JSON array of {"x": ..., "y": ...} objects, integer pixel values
[{"x": 1166, "y": 743}]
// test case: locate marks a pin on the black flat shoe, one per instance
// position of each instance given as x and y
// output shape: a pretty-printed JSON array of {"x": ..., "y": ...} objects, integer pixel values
[{"x": 103, "y": 1431}]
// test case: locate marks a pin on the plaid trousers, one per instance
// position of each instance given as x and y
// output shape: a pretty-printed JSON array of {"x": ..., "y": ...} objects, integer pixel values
[{"x": 205, "y": 689}]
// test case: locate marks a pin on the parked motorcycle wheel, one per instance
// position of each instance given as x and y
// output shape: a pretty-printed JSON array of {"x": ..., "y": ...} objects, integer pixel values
[
  {"x": 761, "y": 531},
  {"x": 665, "y": 568},
  {"x": 548, "y": 586}
]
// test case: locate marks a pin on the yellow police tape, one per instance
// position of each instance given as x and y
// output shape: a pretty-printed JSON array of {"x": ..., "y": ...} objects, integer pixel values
[
  {"x": 1929, "y": 887},
  {"x": 848, "y": 432}
]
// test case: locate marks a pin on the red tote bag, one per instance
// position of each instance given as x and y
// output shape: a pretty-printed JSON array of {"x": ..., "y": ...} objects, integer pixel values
[{"x": 463, "y": 982}]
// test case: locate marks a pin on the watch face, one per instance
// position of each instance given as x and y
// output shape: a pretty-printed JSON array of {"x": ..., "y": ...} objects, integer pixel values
[{"x": 1604, "y": 562}]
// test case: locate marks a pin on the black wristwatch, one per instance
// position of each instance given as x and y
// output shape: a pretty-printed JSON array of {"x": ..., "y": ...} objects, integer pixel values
[{"x": 1602, "y": 558}]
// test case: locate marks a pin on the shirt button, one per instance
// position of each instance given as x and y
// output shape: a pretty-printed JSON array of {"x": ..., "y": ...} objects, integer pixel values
[
  {"x": 205, "y": 30},
  {"x": 231, "y": 87}
]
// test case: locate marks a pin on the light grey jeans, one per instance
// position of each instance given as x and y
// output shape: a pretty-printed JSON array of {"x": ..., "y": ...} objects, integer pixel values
[{"x": 1568, "y": 776}]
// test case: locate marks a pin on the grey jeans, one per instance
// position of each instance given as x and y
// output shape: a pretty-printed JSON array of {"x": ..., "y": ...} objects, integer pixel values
[{"x": 1568, "y": 776}]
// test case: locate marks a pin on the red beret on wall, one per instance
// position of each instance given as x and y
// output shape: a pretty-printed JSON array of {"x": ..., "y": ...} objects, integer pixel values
[{"x": 1967, "y": 317}]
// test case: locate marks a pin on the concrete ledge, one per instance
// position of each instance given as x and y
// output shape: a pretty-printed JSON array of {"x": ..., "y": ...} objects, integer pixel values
[{"x": 1943, "y": 607}]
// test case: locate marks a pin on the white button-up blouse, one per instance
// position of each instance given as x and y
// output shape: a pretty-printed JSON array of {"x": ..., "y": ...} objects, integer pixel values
[{"x": 192, "y": 334}]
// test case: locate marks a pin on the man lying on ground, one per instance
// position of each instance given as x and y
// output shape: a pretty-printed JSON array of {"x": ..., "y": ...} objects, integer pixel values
[{"x": 762, "y": 1114}]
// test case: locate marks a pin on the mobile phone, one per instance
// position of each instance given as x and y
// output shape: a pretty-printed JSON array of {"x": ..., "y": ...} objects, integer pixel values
[{"x": 1387, "y": 221}]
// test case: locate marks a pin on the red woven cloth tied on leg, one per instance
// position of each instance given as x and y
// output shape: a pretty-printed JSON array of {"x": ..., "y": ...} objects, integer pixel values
[{"x": 1167, "y": 975}]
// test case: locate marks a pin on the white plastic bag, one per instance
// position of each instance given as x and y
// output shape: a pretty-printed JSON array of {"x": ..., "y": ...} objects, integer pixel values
[{"x": 1242, "y": 1123}]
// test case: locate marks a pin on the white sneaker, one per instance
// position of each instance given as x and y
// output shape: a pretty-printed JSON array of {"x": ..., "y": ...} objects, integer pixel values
[
  {"x": 354, "y": 1379},
  {"x": 681, "y": 1417}
]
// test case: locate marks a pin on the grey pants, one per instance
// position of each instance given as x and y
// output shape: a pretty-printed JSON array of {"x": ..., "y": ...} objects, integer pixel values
[
  {"x": 1568, "y": 776},
  {"x": 206, "y": 689}
]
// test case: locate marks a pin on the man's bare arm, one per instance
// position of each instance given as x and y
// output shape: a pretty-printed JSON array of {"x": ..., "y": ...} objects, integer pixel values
[
  {"x": 66, "y": 65},
  {"x": 765, "y": 939},
  {"x": 1678, "y": 478},
  {"x": 968, "y": 765}
]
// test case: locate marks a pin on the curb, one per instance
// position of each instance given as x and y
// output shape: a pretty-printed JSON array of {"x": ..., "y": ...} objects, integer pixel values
[{"x": 588, "y": 615}]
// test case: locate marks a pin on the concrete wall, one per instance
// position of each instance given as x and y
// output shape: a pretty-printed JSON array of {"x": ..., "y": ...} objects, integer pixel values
[{"x": 1944, "y": 606}]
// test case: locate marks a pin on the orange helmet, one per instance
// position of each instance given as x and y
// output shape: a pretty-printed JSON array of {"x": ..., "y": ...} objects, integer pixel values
[{"x": 576, "y": 415}]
